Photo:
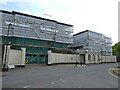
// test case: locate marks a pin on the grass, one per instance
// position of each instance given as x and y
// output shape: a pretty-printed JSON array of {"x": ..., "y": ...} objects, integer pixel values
[{"x": 117, "y": 70}]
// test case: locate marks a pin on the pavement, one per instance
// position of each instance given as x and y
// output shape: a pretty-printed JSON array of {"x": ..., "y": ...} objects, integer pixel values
[{"x": 61, "y": 76}]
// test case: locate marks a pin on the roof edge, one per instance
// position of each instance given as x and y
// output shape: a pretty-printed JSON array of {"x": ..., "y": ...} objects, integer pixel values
[
  {"x": 4, "y": 11},
  {"x": 15, "y": 12},
  {"x": 40, "y": 18},
  {"x": 81, "y": 32}
]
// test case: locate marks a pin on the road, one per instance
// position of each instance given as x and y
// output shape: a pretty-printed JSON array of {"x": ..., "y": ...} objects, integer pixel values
[{"x": 61, "y": 76}]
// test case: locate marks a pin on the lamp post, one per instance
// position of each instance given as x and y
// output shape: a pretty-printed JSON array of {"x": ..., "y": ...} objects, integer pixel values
[{"x": 6, "y": 49}]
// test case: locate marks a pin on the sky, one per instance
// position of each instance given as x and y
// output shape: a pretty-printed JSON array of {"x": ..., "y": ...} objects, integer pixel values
[{"x": 97, "y": 15}]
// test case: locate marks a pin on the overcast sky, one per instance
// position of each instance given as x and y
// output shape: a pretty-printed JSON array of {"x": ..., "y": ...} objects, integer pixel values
[{"x": 96, "y": 15}]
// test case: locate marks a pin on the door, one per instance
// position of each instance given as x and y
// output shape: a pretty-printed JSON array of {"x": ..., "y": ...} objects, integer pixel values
[{"x": 82, "y": 58}]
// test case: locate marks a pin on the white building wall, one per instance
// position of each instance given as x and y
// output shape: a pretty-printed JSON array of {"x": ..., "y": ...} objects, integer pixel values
[
  {"x": 86, "y": 58},
  {"x": 96, "y": 58},
  {"x": 108, "y": 58},
  {"x": 62, "y": 58},
  {"x": 6, "y": 55},
  {"x": 16, "y": 57},
  {"x": 23, "y": 53},
  {"x": 13, "y": 57},
  {"x": 72, "y": 58}
]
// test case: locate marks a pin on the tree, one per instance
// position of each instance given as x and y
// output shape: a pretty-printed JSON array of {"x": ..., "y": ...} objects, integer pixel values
[{"x": 116, "y": 49}]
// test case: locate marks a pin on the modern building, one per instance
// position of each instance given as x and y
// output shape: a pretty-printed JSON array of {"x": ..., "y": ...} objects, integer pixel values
[
  {"x": 93, "y": 42},
  {"x": 88, "y": 47},
  {"x": 34, "y": 33}
]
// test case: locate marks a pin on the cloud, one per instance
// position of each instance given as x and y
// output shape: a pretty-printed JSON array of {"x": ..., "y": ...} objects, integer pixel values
[
  {"x": 8, "y": 1},
  {"x": 3, "y": 2},
  {"x": 97, "y": 15}
]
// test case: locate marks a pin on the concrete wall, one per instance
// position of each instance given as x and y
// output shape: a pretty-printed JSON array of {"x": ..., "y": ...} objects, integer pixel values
[
  {"x": 16, "y": 57},
  {"x": 5, "y": 56},
  {"x": 62, "y": 58},
  {"x": 93, "y": 58},
  {"x": 23, "y": 53},
  {"x": 13, "y": 57},
  {"x": 108, "y": 58},
  {"x": 72, "y": 58}
]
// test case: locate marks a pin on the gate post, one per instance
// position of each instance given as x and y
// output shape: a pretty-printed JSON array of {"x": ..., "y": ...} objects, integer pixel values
[
  {"x": 86, "y": 58},
  {"x": 6, "y": 57},
  {"x": 23, "y": 53}
]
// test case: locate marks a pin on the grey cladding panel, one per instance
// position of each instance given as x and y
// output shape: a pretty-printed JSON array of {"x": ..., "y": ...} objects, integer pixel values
[
  {"x": 29, "y": 27},
  {"x": 93, "y": 41}
]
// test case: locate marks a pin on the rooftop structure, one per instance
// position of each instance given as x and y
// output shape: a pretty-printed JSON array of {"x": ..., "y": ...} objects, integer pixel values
[{"x": 93, "y": 42}]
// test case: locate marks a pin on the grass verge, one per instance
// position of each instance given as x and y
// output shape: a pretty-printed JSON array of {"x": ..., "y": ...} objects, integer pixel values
[{"x": 117, "y": 71}]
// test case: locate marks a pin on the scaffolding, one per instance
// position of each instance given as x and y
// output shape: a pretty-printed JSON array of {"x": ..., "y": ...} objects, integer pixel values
[
  {"x": 93, "y": 42},
  {"x": 34, "y": 33},
  {"x": 28, "y": 26}
]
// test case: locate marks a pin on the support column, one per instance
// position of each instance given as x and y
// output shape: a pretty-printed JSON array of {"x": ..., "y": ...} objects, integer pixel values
[
  {"x": 49, "y": 57},
  {"x": 6, "y": 57},
  {"x": 96, "y": 58},
  {"x": 91, "y": 58},
  {"x": 23, "y": 53},
  {"x": 86, "y": 58},
  {"x": 100, "y": 57}
]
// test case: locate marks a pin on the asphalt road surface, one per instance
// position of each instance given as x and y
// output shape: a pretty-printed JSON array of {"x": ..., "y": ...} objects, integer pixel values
[{"x": 61, "y": 76}]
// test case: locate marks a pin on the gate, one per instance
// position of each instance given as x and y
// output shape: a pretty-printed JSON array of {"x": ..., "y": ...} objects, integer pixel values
[{"x": 36, "y": 59}]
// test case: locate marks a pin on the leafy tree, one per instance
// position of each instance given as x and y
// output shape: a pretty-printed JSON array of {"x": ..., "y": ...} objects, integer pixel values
[{"x": 116, "y": 49}]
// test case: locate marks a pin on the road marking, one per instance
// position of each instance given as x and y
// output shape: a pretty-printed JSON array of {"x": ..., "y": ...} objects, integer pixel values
[
  {"x": 26, "y": 86},
  {"x": 112, "y": 73}
]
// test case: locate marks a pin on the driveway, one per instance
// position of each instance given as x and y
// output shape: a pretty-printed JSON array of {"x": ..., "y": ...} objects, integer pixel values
[{"x": 61, "y": 76}]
